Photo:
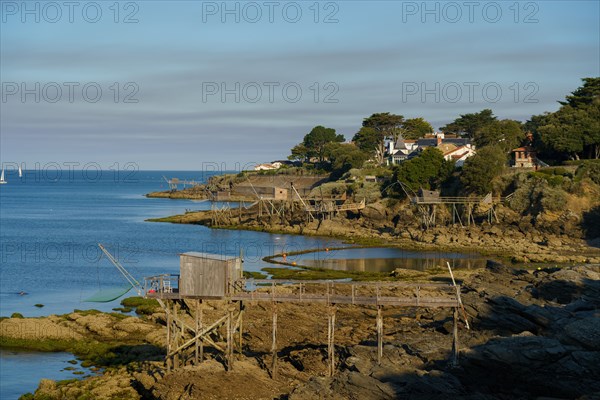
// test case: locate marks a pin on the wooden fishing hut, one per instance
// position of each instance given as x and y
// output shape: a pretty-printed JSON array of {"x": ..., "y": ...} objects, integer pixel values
[{"x": 206, "y": 277}]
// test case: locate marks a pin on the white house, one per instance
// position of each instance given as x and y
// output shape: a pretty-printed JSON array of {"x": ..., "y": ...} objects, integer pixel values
[
  {"x": 452, "y": 146},
  {"x": 460, "y": 154},
  {"x": 268, "y": 166},
  {"x": 400, "y": 150}
]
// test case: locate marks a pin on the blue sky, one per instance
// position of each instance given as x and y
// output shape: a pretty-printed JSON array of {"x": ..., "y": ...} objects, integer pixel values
[{"x": 238, "y": 83}]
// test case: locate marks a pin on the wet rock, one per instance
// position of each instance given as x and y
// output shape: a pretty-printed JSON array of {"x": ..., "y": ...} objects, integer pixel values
[
  {"x": 586, "y": 332},
  {"x": 346, "y": 385},
  {"x": 566, "y": 285},
  {"x": 401, "y": 273}
]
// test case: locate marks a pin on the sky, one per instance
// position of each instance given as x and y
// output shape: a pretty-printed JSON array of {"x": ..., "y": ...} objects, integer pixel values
[{"x": 190, "y": 85}]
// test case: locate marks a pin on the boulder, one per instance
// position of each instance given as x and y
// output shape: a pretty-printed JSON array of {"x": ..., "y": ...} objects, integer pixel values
[{"x": 585, "y": 332}]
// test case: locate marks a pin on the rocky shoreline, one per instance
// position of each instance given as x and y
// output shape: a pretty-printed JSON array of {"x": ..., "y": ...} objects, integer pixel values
[
  {"x": 534, "y": 334},
  {"x": 375, "y": 227}
]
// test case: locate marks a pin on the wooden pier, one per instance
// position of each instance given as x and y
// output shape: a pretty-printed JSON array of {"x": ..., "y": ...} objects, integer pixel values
[
  {"x": 204, "y": 279},
  {"x": 462, "y": 208}
]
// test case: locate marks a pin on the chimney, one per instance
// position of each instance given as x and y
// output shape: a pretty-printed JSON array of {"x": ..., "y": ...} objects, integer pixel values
[{"x": 439, "y": 140}]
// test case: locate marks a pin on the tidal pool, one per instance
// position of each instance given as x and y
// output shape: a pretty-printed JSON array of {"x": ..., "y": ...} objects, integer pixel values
[
  {"x": 21, "y": 371},
  {"x": 383, "y": 259}
]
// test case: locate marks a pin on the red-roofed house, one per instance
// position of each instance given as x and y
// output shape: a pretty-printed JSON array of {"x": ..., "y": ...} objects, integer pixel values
[{"x": 524, "y": 157}]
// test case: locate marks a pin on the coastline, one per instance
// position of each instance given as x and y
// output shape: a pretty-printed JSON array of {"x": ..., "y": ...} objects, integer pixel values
[
  {"x": 530, "y": 326},
  {"x": 498, "y": 241},
  {"x": 138, "y": 373}
]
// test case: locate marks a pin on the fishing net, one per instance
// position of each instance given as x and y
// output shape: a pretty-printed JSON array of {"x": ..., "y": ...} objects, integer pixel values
[{"x": 106, "y": 295}]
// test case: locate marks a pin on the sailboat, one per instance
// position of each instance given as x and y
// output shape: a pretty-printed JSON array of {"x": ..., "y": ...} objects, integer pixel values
[
  {"x": 20, "y": 172},
  {"x": 2, "y": 177}
]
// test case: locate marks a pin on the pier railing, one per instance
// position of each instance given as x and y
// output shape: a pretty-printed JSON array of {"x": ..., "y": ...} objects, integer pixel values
[
  {"x": 319, "y": 291},
  {"x": 160, "y": 285},
  {"x": 334, "y": 292}
]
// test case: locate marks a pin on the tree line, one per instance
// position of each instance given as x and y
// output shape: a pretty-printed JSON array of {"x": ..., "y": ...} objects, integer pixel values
[{"x": 570, "y": 133}]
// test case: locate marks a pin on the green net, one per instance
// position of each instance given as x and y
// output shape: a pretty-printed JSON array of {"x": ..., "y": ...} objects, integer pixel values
[{"x": 106, "y": 295}]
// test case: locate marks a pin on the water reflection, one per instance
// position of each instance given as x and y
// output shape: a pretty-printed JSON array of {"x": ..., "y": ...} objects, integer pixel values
[{"x": 387, "y": 260}]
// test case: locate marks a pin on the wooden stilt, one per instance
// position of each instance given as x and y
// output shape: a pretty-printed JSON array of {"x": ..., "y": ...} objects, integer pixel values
[
  {"x": 181, "y": 339},
  {"x": 201, "y": 327},
  {"x": 241, "y": 331},
  {"x": 331, "y": 340},
  {"x": 379, "y": 335},
  {"x": 454, "y": 360},
  {"x": 274, "y": 343},
  {"x": 229, "y": 355},
  {"x": 175, "y": 335},
  {"x": 197, "y": 342},
  {"x": 168, "y": 336}
]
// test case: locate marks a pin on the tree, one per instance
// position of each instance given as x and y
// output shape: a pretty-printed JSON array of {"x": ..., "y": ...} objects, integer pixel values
[
  {"x": 480, "y": 170},
  {"x": 585, "y": 94},
  {"x": 388, "y": 126},
  {"x": 507, "y": 134},
  {"x": 370, "y": 141},
  {"x": 468, "y": 124},
  {"x": 344, "y": 156},
  {"x": 415, "y": 128},
  {"x": 574, "y": 130},
  {"x": 543, "y": 150},
  {"x": 299, "y": 152},
  {"x": 428, "y": 170},
  {"x": 314, "y": 143}
]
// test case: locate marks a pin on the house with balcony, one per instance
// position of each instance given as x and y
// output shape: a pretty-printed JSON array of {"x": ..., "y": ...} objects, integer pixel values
[{"x": 452, "y": 146}]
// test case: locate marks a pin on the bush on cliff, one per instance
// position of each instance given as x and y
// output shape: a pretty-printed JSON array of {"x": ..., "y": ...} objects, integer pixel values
[{"x": 534, "y": 195}]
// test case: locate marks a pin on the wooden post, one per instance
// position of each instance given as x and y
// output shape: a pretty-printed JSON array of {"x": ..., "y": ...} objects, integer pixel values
[
  {"x": 168, "y": 311},
  {"x": 274, "y": 344},
  {"x": 201, "y": 327},
  {"x": 454, "y": 361},
  {"x": 241, "y": 331},
  {"x": 379, "y": 335},
  {"x": 175, "y": 337},
  {"x": 229, "y": 349},
  {"x": 197, "y": 358},
  {"x": 331, "y": 340},
  {"x": 181, "y": 339}
]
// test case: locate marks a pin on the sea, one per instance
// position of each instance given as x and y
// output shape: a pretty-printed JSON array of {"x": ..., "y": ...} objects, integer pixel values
[{"x": 52, "y": 221}]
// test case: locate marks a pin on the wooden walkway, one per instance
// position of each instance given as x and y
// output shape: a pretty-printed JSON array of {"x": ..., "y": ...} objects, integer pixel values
[
  {"x": 332, "y": 207},
  {"x": 399, "y": 294},
  {"x": 182, "y": 336}
]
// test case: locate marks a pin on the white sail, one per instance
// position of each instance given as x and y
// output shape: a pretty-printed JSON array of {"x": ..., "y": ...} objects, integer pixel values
[
  {"x": 20, "y": 172},
  {"x": 2, "y": 177}
]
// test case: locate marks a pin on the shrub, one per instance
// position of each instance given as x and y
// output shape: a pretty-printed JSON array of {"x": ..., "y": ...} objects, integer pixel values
[
  {"x": 535, "y": 195},
  {"x": 17, "y": 315},
  {"x": 555, "y": 171},
  {"x": 553, "y": 180},
  {"x": 589, "y": 169}
]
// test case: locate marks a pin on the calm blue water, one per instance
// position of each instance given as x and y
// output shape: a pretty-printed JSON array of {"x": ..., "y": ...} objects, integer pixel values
[
  {"x": 50, "y": 226},
  {"x": 19, "y": 369},
  {"x": 388, "y": 259},
  {"x": 50, "y": 230}
]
